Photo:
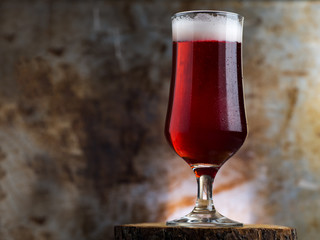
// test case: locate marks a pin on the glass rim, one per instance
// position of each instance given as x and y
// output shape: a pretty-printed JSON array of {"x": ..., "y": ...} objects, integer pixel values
[{"x": 218, "y": 12}]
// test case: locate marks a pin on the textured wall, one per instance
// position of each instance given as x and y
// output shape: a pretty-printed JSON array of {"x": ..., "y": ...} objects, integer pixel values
[{"x": 84, "y": 88}]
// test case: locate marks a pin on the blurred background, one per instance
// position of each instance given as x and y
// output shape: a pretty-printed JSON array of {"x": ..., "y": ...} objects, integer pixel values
[{"x": 83, "y": 97}]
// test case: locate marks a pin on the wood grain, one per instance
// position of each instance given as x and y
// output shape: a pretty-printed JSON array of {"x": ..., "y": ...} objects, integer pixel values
[{"x": 161, "y": 231}]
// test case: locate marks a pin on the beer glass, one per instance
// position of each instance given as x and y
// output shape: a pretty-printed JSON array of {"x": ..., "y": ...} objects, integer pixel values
[{"x": 206, "y": 121}]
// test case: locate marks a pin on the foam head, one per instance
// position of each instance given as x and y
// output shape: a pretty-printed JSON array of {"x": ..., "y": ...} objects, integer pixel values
[{"x": 206, "y": 26}]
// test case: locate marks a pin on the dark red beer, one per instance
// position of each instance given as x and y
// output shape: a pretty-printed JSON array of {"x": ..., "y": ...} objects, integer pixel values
[{"x": 206, "y": 121}]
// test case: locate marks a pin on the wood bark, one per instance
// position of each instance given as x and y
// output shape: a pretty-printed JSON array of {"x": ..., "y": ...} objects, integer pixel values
[{"x": 157, "y": 231}]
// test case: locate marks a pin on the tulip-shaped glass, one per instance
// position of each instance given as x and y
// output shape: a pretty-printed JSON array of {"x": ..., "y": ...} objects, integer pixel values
[{"x": 206, "y": 121}]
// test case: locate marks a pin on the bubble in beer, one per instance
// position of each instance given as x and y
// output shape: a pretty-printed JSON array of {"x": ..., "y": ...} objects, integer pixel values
[{"x": 205, "y": 26}]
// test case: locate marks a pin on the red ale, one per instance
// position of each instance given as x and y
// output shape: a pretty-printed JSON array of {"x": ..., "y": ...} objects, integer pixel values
[{"x": 206, "y": 121}]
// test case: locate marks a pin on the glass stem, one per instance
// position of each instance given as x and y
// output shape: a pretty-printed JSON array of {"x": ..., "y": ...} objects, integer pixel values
[{"x": 204, "y": 197}]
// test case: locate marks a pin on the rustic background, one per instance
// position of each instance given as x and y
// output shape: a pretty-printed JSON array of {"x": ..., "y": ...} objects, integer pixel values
[{"x": 84, "y": 88}]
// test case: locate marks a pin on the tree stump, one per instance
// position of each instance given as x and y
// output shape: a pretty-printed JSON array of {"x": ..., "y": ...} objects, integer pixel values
[{"x": 157, "y": 231}]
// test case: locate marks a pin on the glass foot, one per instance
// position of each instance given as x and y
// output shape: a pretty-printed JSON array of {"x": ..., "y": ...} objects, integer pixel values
[{"x": 204, "y": 219}]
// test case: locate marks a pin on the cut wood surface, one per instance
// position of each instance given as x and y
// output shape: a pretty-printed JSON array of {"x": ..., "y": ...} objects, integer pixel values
[{"x": 155, "y": 231}]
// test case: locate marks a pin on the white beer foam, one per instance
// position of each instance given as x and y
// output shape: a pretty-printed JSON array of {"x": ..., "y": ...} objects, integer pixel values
[{"x": 206, "y": 27}]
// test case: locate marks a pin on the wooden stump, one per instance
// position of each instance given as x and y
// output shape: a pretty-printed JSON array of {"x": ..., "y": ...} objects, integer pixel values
[{"x": 155, "y": 231}]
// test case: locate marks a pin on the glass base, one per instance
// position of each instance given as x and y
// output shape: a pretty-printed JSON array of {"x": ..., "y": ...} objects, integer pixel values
[{"x": 204, "y": 219}]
